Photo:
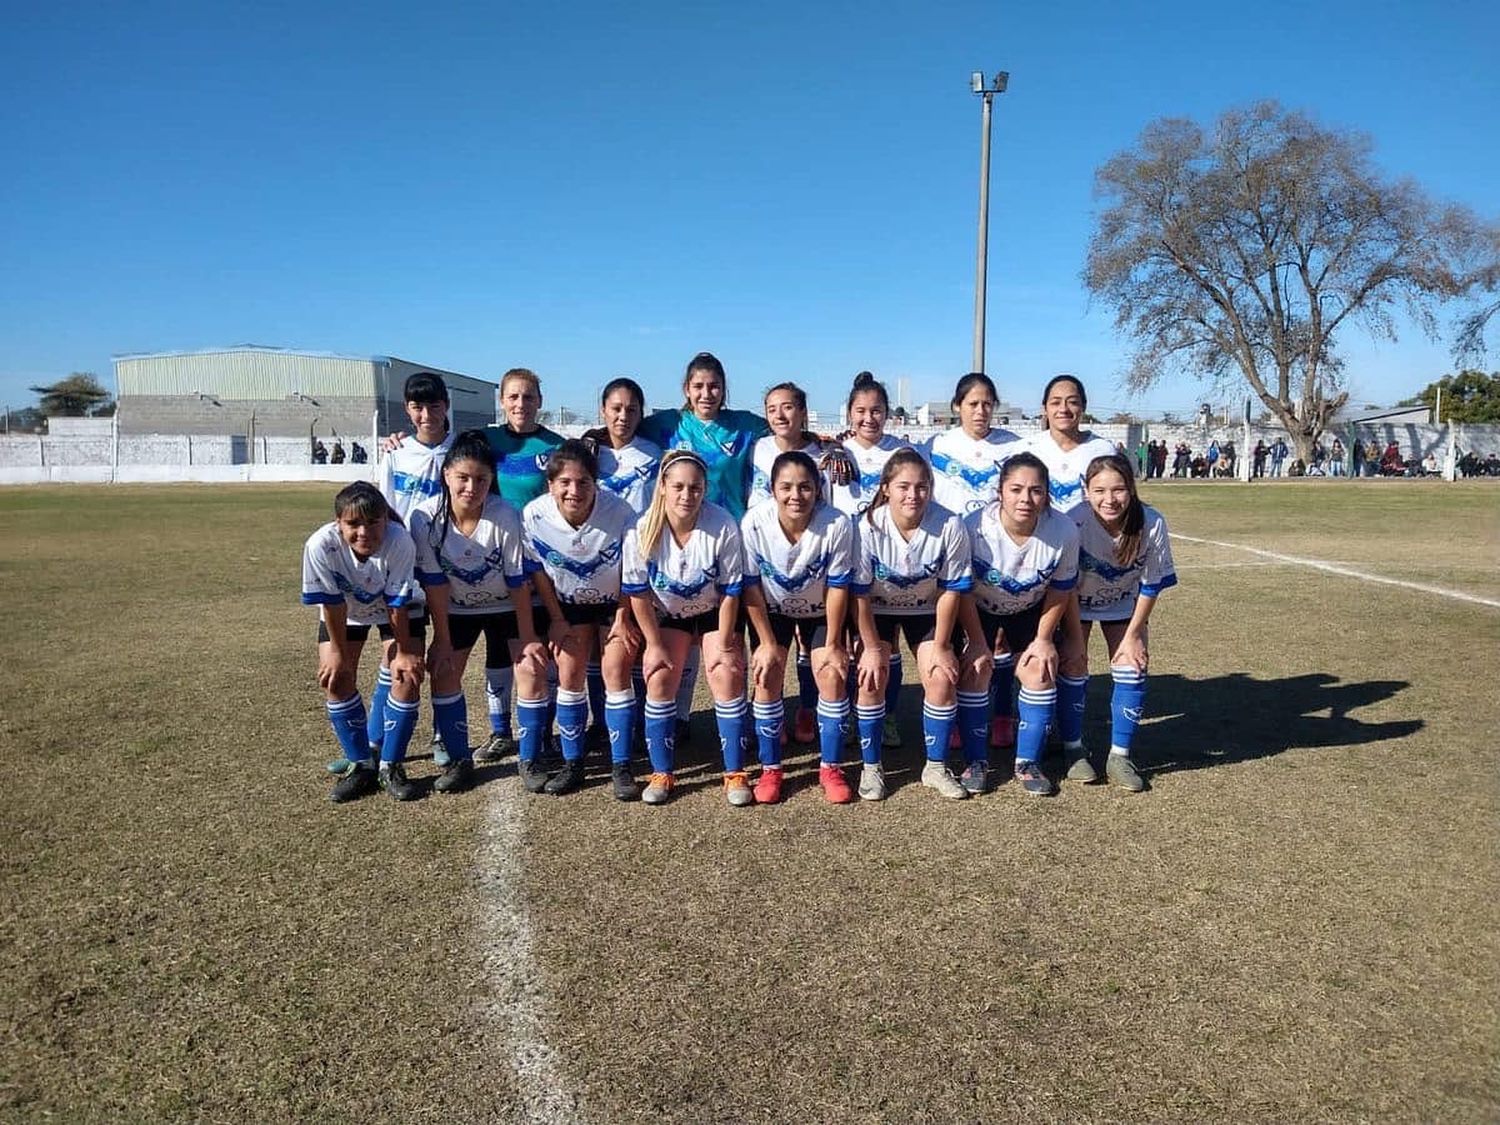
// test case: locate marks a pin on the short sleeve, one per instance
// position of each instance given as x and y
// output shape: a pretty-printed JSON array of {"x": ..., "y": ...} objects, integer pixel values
[
  {"x": 750, "y": 557},
  {"x": 1159, "y": 573},
  {"x": 729, "y": 551},
  {"x": 319, "y": 586},
  {"x": 958, "y": 557},
  {"x": 400, "y": 570},
  {"x": 633, "y": 576},
  {"x": 841, "y": 553}
]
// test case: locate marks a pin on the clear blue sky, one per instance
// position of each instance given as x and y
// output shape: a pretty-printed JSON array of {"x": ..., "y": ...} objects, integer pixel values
[{"x": 591, "y": 189}]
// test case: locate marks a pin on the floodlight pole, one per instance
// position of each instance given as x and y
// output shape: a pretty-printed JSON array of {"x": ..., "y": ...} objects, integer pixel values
[{"x": 987, "y": 95}]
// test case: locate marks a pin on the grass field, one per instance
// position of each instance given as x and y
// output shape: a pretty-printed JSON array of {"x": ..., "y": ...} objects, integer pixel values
[{"x": 1298, "y": 922}]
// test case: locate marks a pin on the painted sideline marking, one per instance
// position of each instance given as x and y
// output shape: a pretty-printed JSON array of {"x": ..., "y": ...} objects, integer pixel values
[
  {"x": 510, "y": 965},
  {"x": 1346, "y": 571}
]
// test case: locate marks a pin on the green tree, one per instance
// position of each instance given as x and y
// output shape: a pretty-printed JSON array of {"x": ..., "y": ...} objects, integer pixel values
[
  {"x": 77, "y": 396},
  {"x": 1246, "y": 248},
  {"x": 1469, "y": 396}
]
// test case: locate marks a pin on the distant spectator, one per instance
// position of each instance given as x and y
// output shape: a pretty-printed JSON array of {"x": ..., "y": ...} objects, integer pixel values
[
  {"x": 1226, "y": 459},
  {"x": 1336, "y": 459},
  {"x": 357, "y": 454},
  {"x": 1140, "y": 459},
  {"x": 1391, "y": 463},
  {"x": 1212, "y": 456},
  {"x": 1298, "y": 468},
  {"x": 320, "y": 452},
  {"x": 337, "y": 457},
  {"x": 1430, "y": 464},
  {"x": 1372, "y": 459},
  {"x": 1258, "y": 459},
  {"x": 1278, "y": 456}
]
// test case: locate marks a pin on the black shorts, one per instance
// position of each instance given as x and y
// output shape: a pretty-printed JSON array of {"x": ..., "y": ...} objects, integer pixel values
[
  {"x": 499, "y": 630},
  {"x": 811, "y": 632},
  {"x": 916, "y": 628},
  {"x": 597, "y": 613},
  {"x": 1019, "y": 629},
  {"x": 695, "y": 626},
  {"x": 417, "y": 626}
]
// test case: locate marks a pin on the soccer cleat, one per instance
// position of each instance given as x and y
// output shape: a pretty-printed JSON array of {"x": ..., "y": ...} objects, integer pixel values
[
  {"x": 737, "y": 789},
  {"x": 458, "y": 777},
  {"x": 565, "y": 780},
  {"x": 805, "y": 726},
  {"x": 1079, "y": 766},
  {"x": 835, "y": 788},
  {"x": 871, "y": 783},
  {"x": 394, "y": 781},
  {"x": 440, "y": 756},
  {"x": 890, "y": 733},
  {"x": 1033, "y": 780},
  {"x": 1002, "y": 732},
  {"x": 337, "y": 766},
  {"x": 1121, "y": 771},
  {"x": 532, "y": 775},
  {"x": 354, "y": 781},
  {"x": 658, "y": 789},
  {"x": 768, "y": 787},
  {"x": 623, "y": 782},
  {"x": 498, "y": 746},
  {"x": 937, "y": 775},
  {"x": 976, "y": 778}
]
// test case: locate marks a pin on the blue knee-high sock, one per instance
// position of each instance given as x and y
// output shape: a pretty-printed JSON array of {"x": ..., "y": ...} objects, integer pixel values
[
  {"x": 348, "y": 720},
  {"x": 595, "y": 681},
  {"x": 661, "y": 727},
  {"x": 807, "y": 684},
  {"x": 1035, "y": 709},
  {"x": 1001, "y": 681},
  {"x": 497, "y": 685},
  {"x": 937, "y": 725},
  {"x": 833, "y": 721},
  {"x": 974, "y": 724},
  {"x": 769, "y": 719},
  {"x": 871, "y": 722},
  {"x": 1126, "y": 704},
  {"x": 893, "y": 685},
  {"x": 375, "y": 721},
  {"x": 531, "y": 718},
  {"x": 400, "y": 721},
  {"x": 450, "y": 714},
  {"x": 730, "y": 714},
  {"x": 619, "y": 717},
  {"x": 1070, "y": 693},
  {"x": 572, "y": 722}
]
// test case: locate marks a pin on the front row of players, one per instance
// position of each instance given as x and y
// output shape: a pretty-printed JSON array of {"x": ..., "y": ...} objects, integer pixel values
[{"x": 576, "y": 577}]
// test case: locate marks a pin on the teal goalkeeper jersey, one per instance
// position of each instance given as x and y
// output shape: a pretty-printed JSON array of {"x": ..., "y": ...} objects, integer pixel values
[
  {"x": 727, "y": 446},
  {"x": 521, "y": 462}
]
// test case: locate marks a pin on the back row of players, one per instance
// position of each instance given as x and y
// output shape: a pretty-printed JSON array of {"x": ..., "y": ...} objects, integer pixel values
[{"x": 598, "y": 570}]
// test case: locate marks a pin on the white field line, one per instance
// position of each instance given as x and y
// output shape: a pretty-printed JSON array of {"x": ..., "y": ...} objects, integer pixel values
[
  {"x": 1230, "y": 566},
  {"x": 1346, "y": 571},
  {"x": 517, "y": 1005}
]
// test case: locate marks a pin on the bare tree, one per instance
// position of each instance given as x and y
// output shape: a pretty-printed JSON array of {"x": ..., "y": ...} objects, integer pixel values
[{"x": 1246, "y": 249}]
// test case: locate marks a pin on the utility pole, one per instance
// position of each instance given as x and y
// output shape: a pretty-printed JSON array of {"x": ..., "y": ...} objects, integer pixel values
[{"x": 987, "y": 94}]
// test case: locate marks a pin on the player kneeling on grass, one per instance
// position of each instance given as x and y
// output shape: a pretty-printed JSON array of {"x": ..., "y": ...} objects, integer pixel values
[
  {"x": 1124, "y": 563},
  {"x": 683, "y": 573},
  {"x": 470, "y": 565},
  {"x": 574, "y": 540},
  {"x": 359, "y": 571},
  {"x": 913, "y": 570},
  {"x": 1025, "y": 569},
  {"x": 799, "y": 563}
]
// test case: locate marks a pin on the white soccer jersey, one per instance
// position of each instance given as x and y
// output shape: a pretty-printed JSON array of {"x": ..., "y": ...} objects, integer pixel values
[
  {"x": 481, "y": 569},
  {"x": 904, "y": 577},
  {"x": 370, "y": 588},
  {"x": 854, "y": 497},
  {"x": 582, "y": 562},
  {"x": 689, "y": 580},
  {"x": 1107, "y": 590},
  {"x": 763, "y": 457},
  {"x": 966, "y": 470},
  {"x": 1011, "y": 578},
  {"x": 795, "y": 577},
  {"x": 412, "y": 473},
  {"x": 1065, "y": 468},
  {"x": 630, "y": 472}
]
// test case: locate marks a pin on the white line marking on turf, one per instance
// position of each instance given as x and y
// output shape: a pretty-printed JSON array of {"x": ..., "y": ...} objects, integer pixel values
[
  {"x": 1346, "y": 571},
  {"x": 510, "y": 964}
]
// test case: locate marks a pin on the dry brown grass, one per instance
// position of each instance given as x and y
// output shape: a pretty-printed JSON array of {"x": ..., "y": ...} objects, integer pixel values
[{"x": 1297, "y": 923}]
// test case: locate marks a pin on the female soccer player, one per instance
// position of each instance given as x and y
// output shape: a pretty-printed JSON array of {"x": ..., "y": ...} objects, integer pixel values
[
  {"x": 913, "y": 570},
  {"x": 627, "y": 461},
  {"x": 574, "y": 539},
  {"x": 966, "y": 460},
  {"x": 1025, "y": 569},
  {"x": 359, "y": 571},
  {"x": 683, "y": 573},
  {"x": 1124, "y": 563},
  {"x": 470, "y": 565},
  {"x": 799, "y": 562}
]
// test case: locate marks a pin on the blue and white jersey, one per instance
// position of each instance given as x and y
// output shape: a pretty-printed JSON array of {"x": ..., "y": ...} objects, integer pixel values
[
  {"x": 413, "y": 472},
  {"x": 481, "y": 569},
  {"x": 1011, "y": 577},
  {"x": 694, "y": 578},
  {"x": 795, "y": 577},
  {"x": 582, "y": 562},
  {"x": 854, "y": 497},
  {"x": 903, "y": 577},
  {"x": 1106, "y": 590},
  {"x": 370, "y": 588},
  {"x": 763, "y": 457},
  {"x": 966, "y": 470},
  {"x": 630, "y": 472},
  {"x": 1065, "y": 468}
]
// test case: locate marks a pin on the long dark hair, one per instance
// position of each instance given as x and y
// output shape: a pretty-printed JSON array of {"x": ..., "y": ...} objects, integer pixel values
[
  {"x": 1134, "y": 524},
  {"x": 572, "y": 451},
  {"x": 705, "y": 361},
  {"x": 863, "y": 382},
  {"x": 1063, "y": 378},
  {"x": 969, "y": 382},
  {"x": 471, "y": 445},
  {"x": 1025, "y": 460},
  {"x": 796, "y": 459},
  {"x": 627, "y": 384},
  {"x": 897, "y": 461},
  {"x": 364, "y": 500}
]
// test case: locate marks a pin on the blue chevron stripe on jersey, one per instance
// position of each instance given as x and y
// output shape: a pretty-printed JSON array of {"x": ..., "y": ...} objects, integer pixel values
[
  {"x": 786, "y": 582},
  {"x": 687, "y": 591},
  {"x": 363, "y": 597},
  {"x": 1064, "y": 490},
  {"x": 1108, "y": 571},
  {"x": 585, "y": 568},
  {"x": 884, "y": 573},
  {"x": 992, "y": 577},
  {"x": 975, "y": 478},
  {"x": 407, "y": 484}
]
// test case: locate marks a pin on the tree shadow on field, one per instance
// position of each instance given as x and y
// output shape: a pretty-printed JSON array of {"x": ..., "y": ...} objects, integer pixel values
[{"x": 1194, "y": 724}]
